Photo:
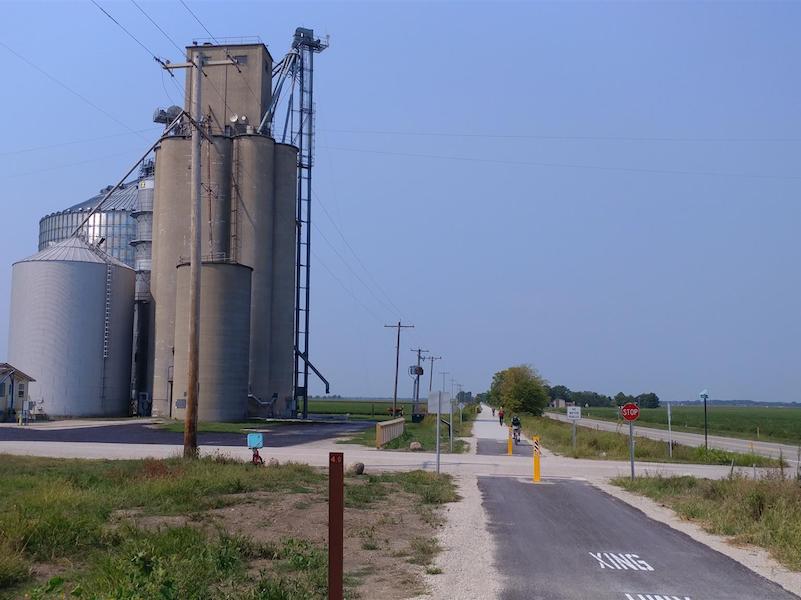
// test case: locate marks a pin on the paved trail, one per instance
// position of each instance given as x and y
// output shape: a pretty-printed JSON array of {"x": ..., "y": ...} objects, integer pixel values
[{"x": 567, "y": 540}]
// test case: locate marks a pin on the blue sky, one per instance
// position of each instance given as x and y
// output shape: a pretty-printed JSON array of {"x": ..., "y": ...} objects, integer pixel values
[{"x": 607, "y": 191}]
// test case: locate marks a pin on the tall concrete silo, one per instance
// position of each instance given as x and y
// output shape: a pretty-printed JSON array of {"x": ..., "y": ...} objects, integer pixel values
[
  {"x": 254, "y": 205},
  {"x": 171, "y": 210},
  {"x": 225, "y": 341},
  {"x": 284, "y": 245},
  {"x": 71, "y": 324}
]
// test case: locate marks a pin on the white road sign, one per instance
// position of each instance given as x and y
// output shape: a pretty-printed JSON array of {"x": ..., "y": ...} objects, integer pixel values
[
  {"x": 574, "y": 412},
  {"x": 444, "y": 402}
]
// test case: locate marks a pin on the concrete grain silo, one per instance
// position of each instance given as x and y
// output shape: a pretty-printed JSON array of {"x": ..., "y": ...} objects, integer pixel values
[
  {"x": 71, "y": 328},
  {"x": 248, "y": 220},
  {"x": 225, "y": 336}
]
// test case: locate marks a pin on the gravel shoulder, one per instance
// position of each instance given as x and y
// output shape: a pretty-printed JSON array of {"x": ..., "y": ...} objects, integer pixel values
[{"x": 468, "y": 550}]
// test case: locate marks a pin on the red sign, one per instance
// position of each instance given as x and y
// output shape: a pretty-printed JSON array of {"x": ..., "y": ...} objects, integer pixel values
[{"x": 630, "y": 411}]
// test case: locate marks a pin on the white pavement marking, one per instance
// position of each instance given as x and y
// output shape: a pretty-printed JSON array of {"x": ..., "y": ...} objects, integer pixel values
[
  {"x": 621, "y": 562},
  {"x": 655, "y": 597}
]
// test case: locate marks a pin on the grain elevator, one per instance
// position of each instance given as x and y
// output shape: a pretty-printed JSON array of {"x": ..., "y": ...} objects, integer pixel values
[
  {"x": 100, "y": 317},
  {"x": 248, "y": 233}
]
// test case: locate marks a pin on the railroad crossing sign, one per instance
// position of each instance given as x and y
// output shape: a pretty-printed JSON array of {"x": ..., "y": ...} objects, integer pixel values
[
  {"x": 630, "y": 411},
  {"x": 574, "y": 412}
]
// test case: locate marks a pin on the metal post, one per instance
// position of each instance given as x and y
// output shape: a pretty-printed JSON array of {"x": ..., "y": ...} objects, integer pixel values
[
  {"x": 706, "y": 425},
  {"x": 535, "y": 444},
  {"x": 439, "y": 403},
  {"x": 631, "y": 446},
  {"x": 670, "y": 433},
  {"x": 509, "y": 442},
  {"x": 574, "y": 436},
  {"x": 193, "y": 388},
  {"x": 336, "y": 519}
]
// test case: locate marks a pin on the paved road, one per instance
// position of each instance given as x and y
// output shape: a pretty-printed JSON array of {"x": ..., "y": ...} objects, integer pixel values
[
  {"x": 790, "y": 453},
  {"x": 567, "y": 540},
  {"x": 276, "y": 436}
]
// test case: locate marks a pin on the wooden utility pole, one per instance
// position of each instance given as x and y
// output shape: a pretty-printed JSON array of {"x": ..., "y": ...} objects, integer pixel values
[
  {"x": 397, "y": 364},
  {"x": 431, "y": 371},
  {"x": 193, "y": 387},
  {"x": 192, "y": 383}
]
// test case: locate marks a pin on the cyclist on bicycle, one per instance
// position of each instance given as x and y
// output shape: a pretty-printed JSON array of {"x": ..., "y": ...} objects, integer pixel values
[{"x": 516, "y": 427}]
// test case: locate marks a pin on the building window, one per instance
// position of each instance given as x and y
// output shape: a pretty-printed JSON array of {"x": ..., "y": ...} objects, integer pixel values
[
  {"x": 3, "y": 390},
  {"x": 21, "y": 388}
]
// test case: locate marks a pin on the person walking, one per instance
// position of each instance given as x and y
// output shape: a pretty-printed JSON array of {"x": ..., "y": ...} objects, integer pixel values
[
  {"x": 500, "y": 415},
  {"x": 493, "y": 411}
]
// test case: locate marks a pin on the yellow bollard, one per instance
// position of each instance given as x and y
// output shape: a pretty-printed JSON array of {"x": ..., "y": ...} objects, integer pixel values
[
  {"x": 535, "y": 443},
  {"x": 509, "y": 442}
]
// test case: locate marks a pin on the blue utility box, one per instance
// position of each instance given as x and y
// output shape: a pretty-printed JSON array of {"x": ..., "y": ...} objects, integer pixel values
[{"x": 255, "y": 440}]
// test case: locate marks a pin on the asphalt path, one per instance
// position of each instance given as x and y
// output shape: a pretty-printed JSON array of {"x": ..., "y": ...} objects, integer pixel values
[
  {"x": 567, "y": 540},
  {"x": 771, "y": 449},
  {"x": 275, "y": 436}
]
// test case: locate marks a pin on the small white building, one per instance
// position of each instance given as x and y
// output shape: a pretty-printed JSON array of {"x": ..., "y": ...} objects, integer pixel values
[{"x": 14, "y": 397}]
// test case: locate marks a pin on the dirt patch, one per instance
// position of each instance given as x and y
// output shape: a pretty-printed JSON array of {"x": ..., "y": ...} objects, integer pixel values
[{"x": 380, "y": 539}]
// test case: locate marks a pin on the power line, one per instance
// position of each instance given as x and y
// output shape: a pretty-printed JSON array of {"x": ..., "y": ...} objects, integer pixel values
[
  {"x": 72, "y": 164},
  {"x": 571, "y": 165},
  {"x": 83, "y": 141},
  {"x": 132, "y": 36},
  {"x": 156, "y": 25},
  {"x": 344, "y": 287},
  {"x": 356, "y": 256},
  {"x": 355, "y": 274},
  {"x": 199, "y": 21},
  {"x": 69, "y": 89},
  {"x": 593, "y": 138}
]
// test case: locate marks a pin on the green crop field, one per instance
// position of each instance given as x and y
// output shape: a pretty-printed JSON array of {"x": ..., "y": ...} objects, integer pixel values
[
  {"x": 358, "y": 409},
  {"x": 767, "y": 424}
]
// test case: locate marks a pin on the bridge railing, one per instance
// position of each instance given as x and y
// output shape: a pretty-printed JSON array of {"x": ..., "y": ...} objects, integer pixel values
[{"x": 386, "y": 431}]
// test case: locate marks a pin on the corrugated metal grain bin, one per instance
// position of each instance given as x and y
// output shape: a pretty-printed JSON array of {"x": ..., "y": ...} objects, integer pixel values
[{"x": 71, "y": 328}]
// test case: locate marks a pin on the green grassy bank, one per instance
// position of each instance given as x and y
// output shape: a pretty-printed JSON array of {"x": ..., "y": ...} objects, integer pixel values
[
  {"x": 155, "y": 529},
  {"x": 425, "y": 433},
  {"x": 763, "y": 512}
]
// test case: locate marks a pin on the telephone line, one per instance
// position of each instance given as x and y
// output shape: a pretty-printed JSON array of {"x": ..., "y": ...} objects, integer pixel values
[
  {"x": 356, "y": 256},
  {"x": 69, "y": 89}
]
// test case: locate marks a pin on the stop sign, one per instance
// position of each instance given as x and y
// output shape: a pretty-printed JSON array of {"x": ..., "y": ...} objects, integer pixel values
[{"x": 630, "y": 411}]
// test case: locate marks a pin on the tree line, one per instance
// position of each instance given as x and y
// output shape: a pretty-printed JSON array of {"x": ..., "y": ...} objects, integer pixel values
[{"x": 523, "y": 389}]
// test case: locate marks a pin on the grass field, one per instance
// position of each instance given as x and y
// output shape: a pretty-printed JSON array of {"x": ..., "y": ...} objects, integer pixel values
[
  {"x": 359, "y": 409},
  {"x": 608, "y": 445},
  {"x": 774, "y": 424},
  {"x": 210, "y": 528},
  {"x": 425, "y": 433},
  {"x": 763, "y": 512}
]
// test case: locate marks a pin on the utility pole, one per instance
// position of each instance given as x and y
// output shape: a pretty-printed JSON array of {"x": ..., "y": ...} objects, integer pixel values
[
  {"x": 450, "y": 413},
  {"x": 417, "y": 374},
  {"x": 431, "y": 371},
  {"x": 397, "y": 364},
  {"x": 192, "y": 383}
]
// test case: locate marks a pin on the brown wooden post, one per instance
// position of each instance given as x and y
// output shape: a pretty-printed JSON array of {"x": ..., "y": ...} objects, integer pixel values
[{"x": 336, "y": 518}]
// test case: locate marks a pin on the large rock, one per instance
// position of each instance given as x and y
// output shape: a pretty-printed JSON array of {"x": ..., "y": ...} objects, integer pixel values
[
  {"x": 415, "y": 446},
  {"x": 356, "y": 469}
]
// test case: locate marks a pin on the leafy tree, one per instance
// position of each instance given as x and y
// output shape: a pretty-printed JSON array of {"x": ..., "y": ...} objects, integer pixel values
[
  {"x": 621, "y": 399},
  {"x": 558, "y": 392},
  {"x": 649, "y": 400},
  {"x": 590, "y": 399},
  {"x": 519, "y": 389}
]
